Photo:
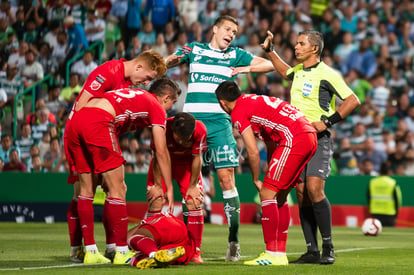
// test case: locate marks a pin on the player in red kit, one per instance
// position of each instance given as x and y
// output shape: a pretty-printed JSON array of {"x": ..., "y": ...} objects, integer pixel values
[
  {"x": 160, "y": 240},
  {"x": 111, "y": 75},
  {"x": 290, "y": 142},
  {"x": 186, "y": 141},
  {"x": 93, "y": 146}
]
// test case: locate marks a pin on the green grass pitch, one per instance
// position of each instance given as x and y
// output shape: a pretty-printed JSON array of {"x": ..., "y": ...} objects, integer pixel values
[{"x": 39, "y": 248}]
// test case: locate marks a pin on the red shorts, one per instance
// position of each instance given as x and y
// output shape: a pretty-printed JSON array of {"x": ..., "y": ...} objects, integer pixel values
[
  {"x": 180, "y": 173},
  {"x": 73, "y": 177},
  {"x": 92, "y": 143},
  {"x": 287, "y": 164},
  {"x": 169, "y": 232}
]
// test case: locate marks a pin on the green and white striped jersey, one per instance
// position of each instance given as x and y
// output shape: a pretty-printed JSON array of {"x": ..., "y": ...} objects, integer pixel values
[{"x": 208, "y": 68}]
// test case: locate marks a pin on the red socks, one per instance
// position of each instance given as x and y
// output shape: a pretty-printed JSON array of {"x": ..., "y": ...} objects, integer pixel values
[
  {"x": 195, "y": 225},
  {"x": 143, "y": 244},
  {"x": 75, "y": 230},
  {"x": 270, "y": 220},
  {"x": 116, "y": 221},
  {"x": 85, "y": 212},
  {"x": 282, "y": 232}
]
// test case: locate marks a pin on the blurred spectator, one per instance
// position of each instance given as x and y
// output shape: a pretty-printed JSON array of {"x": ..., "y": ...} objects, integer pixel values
[
  {"x": 1, "y": 165},
  {"x": 51, "y": 36},
  {"x": 35, "y": 164},
  {"x": 54, "y": 103},
  {"x": 129, "y": 168},
  {"x": 35, "y": 11},
  {"x": 58, "y": 11},
  {"x": 135, "y": 47},
  {"x": 60, "y": 51},
  {"x": 54, "y": 160},
  {"x": 363, "y": 115},
  {"x": 403, "y": 103},
  {"x": 77, "y": 41},
  {"x": 5, "y": 29},
  {"x": 357, "y": 138},
  {"x": 384, "y": 197},
  {"x": 261, "y": 85},
  {"x": 160, "y": 13},
  {"x": 378, "y": 96},
  {"x": 397, "y": 83},
  {"x": 12, "y": 84},
  {"x": 3, "y": 101},
  {"x": 363, "y": 60},
  {"x": 20, "y": 25},
  {"x": 8, "y": 12},
  {"x": 49, "y": 64},
  {"x": 12, "y": 44},
  {"x": 345, "y": 159},
  {"x": 160, "y": 45},
  {"x": 147, "y": 35},
  {"x": 120, "y": 51},
  {"x": 241, "y": 39},
  {"x": 398, "y": 157},
  {"x": 84, "y": 66},
  {"x": 254, "y": 45},
  {"x": 78, "y": 11},
  {"x": 142, "y": 162},
  {"x": 103, "y": 7},
  {"x": 209, "y": 15},
  {"x": 209, "y": 192},
  {"x": 14, "y": 163},
  {"x": 69, "y": 93},
  {"x": 129, "y": 153},
  {"x": 133, "y": 20},
  {"x": 145, "y": 139},
  {"x": 187, "y": 9},
  {"x": 41, "y": 124},
  {"x": 375, "y": 129},
  {"x": 94, "y": 28},
  {"x": 25, "y": 142},
  {"x": 196, "y": 33},
  {"x": 369, "y": 152},
  {"x": 34, "y": 150},
  {"x": 32, "y": 70},
  {"x": 342, "y": 51},
  {"x": 409, "y": 162},
  {"x": 19, "y": 59},
  {"x": 359, "y": 85},
  {"x": 390, "y": 117},
  {"x": 334, "y": 37},
  {"x": 6, "y": 147},
  {"x": 366, "y": 168},
  {"x": 31, "y": 34},
  {"x": 44, "y": 144},
  {"x": 170, "y": 32},
  {"x": 409, "y": 119}
]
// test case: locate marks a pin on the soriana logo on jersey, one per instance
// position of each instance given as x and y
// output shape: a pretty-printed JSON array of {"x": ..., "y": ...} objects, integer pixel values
[{"x": 95, "y": 85}]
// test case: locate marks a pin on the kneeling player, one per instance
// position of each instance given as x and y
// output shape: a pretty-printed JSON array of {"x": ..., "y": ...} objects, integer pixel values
[{"x": 159, "y": 241}]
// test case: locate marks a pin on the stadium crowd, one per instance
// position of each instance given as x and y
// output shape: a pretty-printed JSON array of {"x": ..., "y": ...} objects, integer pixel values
[{"x": 369, "y": 42}]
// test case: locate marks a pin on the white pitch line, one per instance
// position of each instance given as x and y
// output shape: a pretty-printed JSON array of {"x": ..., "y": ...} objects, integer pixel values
[{"x": 207, "y": 259}]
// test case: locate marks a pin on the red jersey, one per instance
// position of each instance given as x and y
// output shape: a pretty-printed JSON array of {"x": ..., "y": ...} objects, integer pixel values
[
  {"x": 182, "y": 154},
  {"x": 106, "y": 77},
  {"x": 271, "y": 118},
  {"x": 135, "y": 109}
]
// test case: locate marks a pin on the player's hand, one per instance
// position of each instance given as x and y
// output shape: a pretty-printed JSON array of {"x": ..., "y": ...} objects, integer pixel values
[
  {"x": 173, "y": 60},
  {"x": 170, "y": 198},
  {"x": 258, "y": 184},
  {"x": 154, "y": 192},
  {"x": 194, "y": 193},
  {"x": 240, "y": 70},
  {"x": 319, "y": 126},
  {"x": 268, "y": 41}
]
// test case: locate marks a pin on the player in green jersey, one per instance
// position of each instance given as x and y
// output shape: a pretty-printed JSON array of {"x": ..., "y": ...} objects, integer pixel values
[
  {"x": 209, "y": 65},
  {"x": 315, "y": 87}
]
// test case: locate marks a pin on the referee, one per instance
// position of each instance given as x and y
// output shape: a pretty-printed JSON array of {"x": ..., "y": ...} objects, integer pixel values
[{"x": 315, "y": 87}]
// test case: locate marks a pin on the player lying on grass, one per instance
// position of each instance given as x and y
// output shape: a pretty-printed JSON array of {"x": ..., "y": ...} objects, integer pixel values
[
  {"x": 186, "y": 141},
  {"x": 290, "y": 142},
  {"x": 159, "y": 241}
]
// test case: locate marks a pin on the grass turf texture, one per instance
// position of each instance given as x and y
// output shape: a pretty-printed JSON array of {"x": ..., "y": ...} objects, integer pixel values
[{"x": 38, "y": 248}]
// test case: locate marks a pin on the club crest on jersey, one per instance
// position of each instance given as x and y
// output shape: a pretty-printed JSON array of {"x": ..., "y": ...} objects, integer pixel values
[
  {"x": 307, "y": 89},
  {"x": 95, "y": 85}
]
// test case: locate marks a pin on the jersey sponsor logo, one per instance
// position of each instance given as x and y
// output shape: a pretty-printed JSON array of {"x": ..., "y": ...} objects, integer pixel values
[
  {"x": 95, "y": 85},
  {"x": 198, "y": 57},
  {"x": 186, "y": 49},
  {"x": 100, "y": 79},
  {"x": 307, "y": 89},
  {"x": 206, "y": 78}
]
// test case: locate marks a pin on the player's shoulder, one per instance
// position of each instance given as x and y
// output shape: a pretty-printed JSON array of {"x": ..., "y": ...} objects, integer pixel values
[{"x": 200, "y": 127}]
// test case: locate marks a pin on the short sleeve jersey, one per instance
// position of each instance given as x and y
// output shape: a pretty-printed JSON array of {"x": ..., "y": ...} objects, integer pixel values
[
  {"x": 208, "y": 68},
  {"x": 270, "y": 118},
  {"x": 314, "y": 90},
  {"x": 182, "y": 154},
  {"x": 135, "y": 109},
  {"x": 106, "y": 77}
]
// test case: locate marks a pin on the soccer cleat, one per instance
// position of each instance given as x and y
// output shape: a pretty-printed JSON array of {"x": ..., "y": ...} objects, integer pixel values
[
  {"x": 233, "y": 252},
  {"x": 310, "y": 257},
  {"x": 110, "y": 254},
  {"x": 328, "y": 255},
  {"x": 162, "y": 258},
  {"x": 267, "y": 259},
  {"x": 197, "y": 257},
  {"x": 123, "y": 258},
  {"x": 78, "y": 256},
  {"x": 95, "y": 258}
]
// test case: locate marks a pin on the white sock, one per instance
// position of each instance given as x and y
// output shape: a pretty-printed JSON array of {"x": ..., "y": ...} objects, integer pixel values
[
  {"x": 122, "y": 249},
  {"x": 91, "y": 248}
]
